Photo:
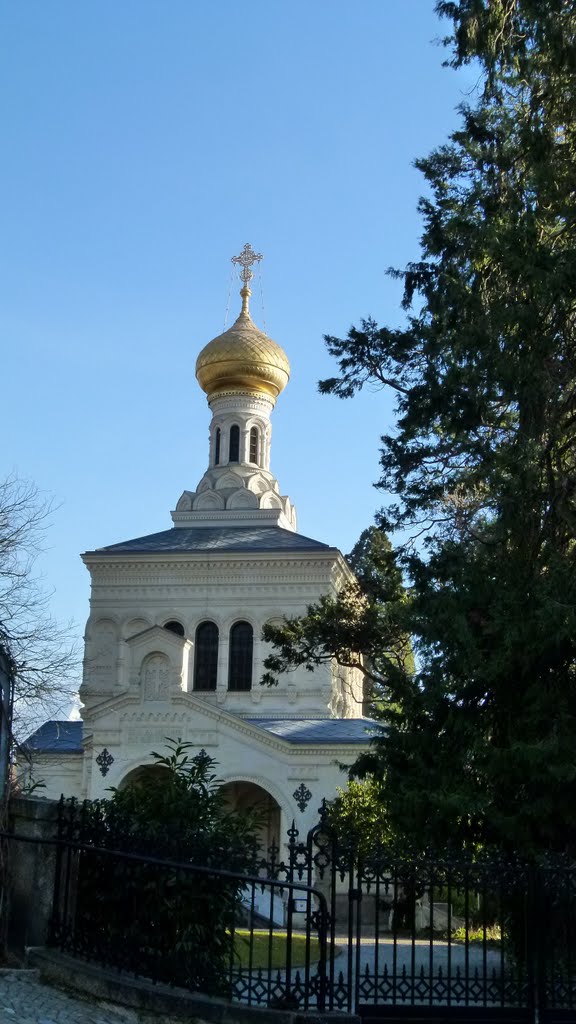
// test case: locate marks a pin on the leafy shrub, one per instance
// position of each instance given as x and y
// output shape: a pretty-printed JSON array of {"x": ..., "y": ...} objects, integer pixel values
[{"x": 154, "y": 917}]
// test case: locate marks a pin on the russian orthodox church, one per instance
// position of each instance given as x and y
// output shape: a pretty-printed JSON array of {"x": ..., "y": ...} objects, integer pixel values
[{"x": 173, "y": 642}]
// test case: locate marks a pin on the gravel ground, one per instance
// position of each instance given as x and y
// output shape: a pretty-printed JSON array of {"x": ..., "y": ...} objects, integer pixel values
[{"x": 25, "y": 1000}]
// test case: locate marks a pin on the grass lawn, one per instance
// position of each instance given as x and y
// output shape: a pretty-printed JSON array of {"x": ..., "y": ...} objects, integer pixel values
[
  {"x": 260, "y": 949},
  {"x": 492, "y": 937},
  {"x": 476, "y": 936}
]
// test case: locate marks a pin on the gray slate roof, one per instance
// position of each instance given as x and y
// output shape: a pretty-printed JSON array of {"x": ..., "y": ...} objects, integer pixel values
[
  {"x": 64, "y": 737},
  {"x": 217, "y": 538},
  {"x": 318, "y": 730}
]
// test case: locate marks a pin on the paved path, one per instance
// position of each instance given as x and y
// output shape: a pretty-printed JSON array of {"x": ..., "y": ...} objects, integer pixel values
[
  {"x": 429, "y": 957},
  {"x": 25, "y": 1000}
]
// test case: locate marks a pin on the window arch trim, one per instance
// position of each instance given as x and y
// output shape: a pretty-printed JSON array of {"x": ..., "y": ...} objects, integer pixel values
[{"x": 174, "y": 626}]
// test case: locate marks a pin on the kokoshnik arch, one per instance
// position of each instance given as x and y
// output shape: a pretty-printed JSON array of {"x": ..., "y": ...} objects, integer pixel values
[{"x": 172, "y": 643}]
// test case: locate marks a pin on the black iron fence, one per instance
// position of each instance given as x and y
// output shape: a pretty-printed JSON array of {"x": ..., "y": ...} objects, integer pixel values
[
  {"x": 466, "y": 937},
  {"x": 152, "y": 917},
  {"x": 320, "y": 926}
]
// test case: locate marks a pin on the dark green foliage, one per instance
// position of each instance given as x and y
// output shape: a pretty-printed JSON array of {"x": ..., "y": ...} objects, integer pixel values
[
  {"x": 356, "y": 820},
  {"x": 177, "y": 809},
  {"x": 361, "y": 628},
  {"x": 482, "y": 459},
  {"x": 161, "y": 921}
]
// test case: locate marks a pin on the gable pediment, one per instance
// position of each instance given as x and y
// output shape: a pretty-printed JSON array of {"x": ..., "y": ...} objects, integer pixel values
[
  {"x": 185, "y": 715},
  {"x": 158, "y": 638}
]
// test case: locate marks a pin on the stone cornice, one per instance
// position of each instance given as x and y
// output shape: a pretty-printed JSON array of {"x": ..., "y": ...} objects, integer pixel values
[
  {"x": 233, "y": 517},
  {"x": 184, "y": 560},
  {"x": 289, "y": 569},
  {"x": 279, "y": 585}
]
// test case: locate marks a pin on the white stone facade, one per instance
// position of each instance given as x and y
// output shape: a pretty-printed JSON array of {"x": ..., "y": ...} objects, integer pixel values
[{"x": 232, "y": 556}]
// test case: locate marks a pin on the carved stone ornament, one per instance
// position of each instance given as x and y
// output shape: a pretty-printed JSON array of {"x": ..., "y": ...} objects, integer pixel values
[
  {"x": 156, "y": 677},
  {"x": 104, "y": 760},
  {"x": 302, "y": 796}
]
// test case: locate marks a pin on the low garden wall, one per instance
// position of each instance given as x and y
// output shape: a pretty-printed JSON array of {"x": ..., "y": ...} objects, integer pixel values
[{"x": 30, "y": 871}]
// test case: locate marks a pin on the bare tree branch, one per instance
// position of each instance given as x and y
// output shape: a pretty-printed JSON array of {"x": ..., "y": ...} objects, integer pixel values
[{"x": 42, "y": 649}]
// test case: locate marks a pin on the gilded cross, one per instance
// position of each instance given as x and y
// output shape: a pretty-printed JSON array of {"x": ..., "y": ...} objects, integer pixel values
[{"x": 246, "y": 258}]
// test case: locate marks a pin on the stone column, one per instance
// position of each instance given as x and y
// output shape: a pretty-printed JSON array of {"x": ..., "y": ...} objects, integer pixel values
[
  {"x": 222, "y": 678},
  {"x": 256, "y": 688},
  {"x": 244, "y": 444}
]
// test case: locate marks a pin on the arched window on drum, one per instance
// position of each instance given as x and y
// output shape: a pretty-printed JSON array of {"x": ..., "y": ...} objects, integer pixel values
[
  {"x": 234, "y": 449},
  {"x": 254, "y": 446}
]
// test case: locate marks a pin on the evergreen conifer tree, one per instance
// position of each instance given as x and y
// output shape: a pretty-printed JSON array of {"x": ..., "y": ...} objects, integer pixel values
[{"x": 481, "y": 739}]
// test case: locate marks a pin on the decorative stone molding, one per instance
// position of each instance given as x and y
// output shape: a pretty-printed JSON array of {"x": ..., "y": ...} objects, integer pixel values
[
  {"x": 305, "y": 774},
  {"x": 227, "y": 405},
  {"x": 147, "y": 735},
  {"x": 135, "y": 625},
  {"x": 260, "y": 570},
  {"x": 235, "y": 517},
  {"x": 155, "y": 677},
  {"x": 190, "y": 561},
  {"x": 244, "y": 499},
  {"x": 208, "y": 501}
]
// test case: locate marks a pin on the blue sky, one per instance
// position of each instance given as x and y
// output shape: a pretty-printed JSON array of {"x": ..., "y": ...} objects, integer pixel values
[{"x": 143, "y": 143}]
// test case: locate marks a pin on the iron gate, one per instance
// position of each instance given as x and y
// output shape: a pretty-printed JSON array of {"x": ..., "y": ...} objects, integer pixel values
[
  {"x": 389, "y": 935},
  {"x": 441, "y": 937}
]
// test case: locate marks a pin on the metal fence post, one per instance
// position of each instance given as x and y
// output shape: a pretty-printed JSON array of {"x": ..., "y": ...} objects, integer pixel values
[{"x": 533, "y": 945}]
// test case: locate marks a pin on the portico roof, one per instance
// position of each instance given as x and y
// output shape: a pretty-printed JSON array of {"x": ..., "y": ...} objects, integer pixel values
[
  {"x": 61, "y": 737},
  {"x": 64, "y": 737},
  {"x": 319, "y": 730}
]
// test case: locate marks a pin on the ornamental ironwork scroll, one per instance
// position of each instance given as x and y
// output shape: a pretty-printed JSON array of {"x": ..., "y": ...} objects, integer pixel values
[
  {"x": 104, "y": 760},
  {"x": 302, "y": 796}
]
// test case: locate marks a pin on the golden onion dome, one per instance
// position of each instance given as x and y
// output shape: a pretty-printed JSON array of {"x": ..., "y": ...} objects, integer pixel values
[{"x": 243, "y": 359}]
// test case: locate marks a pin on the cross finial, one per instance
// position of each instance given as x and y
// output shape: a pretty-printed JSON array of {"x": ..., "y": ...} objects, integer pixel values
[{"x": 246, "y": 258}]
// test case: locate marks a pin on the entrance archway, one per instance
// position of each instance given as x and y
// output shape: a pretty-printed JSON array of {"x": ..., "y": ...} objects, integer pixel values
[
  {"x": 141, "y": 775},
  {"x": 248, "y": 796}
]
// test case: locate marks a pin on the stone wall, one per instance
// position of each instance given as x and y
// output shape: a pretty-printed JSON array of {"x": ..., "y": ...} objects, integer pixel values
[{"x": 31, "y": 869}]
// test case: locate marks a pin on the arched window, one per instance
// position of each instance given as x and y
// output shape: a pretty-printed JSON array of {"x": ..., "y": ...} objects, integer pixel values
[
  {"x": 254, "y": 445},
  {"x": 175, "y": 627},
  {"x": 240, "y": 659},
  {"x": 206, "y": 656},
  {"x": 217, "y": 448},
  {"x": 234, "y": 452}
]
